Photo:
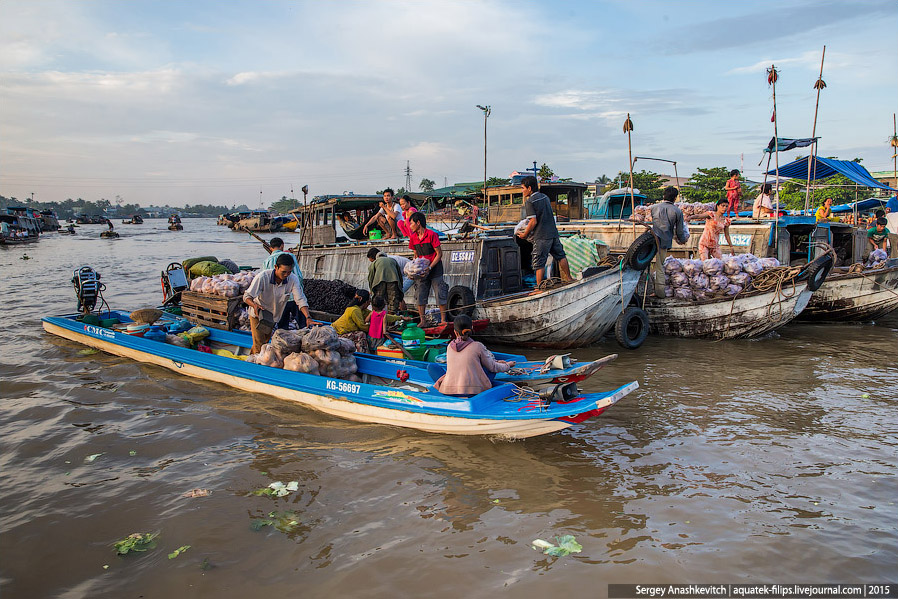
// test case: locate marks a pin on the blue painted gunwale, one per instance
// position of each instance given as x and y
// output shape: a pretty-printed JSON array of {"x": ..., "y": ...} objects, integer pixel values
[{"x": 490, "y": 404}]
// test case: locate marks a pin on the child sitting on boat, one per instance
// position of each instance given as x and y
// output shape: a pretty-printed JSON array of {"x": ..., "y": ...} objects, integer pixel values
[
  {"x": 470, "y": 366},
  {"x": 377, "y": 323}
]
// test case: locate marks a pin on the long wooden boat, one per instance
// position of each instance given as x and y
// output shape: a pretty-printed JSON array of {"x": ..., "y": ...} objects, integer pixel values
[
  {"x": 381, "y": 398},
  {"x": 744, "y": 316},
  {"x": 855, "y": 297}
]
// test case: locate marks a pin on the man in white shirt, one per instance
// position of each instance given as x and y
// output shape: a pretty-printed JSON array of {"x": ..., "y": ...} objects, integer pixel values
[
  {"x": 763, "y": 208},
  {"x": 390, "y": 212},
  {"x": 267, "y": 297}
]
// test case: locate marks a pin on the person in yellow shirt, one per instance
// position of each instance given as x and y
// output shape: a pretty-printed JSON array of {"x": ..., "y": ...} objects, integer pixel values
[{"x": 824, "y": 212}]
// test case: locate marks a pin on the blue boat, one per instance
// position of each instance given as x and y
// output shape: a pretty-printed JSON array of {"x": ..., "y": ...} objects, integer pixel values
[{"x": 399, "y": 394}]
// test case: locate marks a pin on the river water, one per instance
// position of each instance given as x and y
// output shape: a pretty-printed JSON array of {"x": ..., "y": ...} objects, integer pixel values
[{"x": 771, "y": 460}]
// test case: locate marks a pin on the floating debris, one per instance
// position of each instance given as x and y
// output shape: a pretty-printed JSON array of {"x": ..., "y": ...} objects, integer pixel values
[
  {"x": 197, "y": 493},
  {"x": 137, "y": 541},
  {"x": 132, "y": 453},
  {"x": 88, "y": 352},
  {"x": 91, "y": 458},
  {"x": 178, "y": 551},
  {"x": 284, "y": 522},
  {"x": 277, "y": 489},
  {"x": 566, "y": 545}
]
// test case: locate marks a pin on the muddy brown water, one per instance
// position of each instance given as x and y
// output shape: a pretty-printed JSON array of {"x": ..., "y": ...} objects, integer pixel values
[{"x": 766, "y": 460}]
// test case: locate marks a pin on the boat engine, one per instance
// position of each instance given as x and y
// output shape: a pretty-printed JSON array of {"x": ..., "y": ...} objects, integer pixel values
[
  {"x": 174, "y": 281},
  {"x": 560, "y": 393},
  {"x": 88, "y": 288}
]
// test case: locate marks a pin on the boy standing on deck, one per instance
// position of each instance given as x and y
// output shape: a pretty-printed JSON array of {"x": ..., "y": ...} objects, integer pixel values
[
  {"x": 667, "y": 222},
  {"x": 734, "y": 193}
]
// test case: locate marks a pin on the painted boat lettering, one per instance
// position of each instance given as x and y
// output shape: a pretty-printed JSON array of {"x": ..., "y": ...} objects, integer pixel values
[
  {"x": 343, "y": 386},
  {"x": 738, "y": 239},
  {"x": 99, "y": 331},
  {"x": 462, "y": 256}
]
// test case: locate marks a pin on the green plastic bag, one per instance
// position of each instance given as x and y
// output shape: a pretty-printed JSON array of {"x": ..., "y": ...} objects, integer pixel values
[
  {"x": 191, "y": 261},
  {"x": 208, "y": 269}
]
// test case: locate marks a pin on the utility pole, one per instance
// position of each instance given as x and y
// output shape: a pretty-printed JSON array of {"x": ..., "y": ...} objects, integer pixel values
[
  {"x": 408, "y": 176},
  {"x": 486, "y": 114}
]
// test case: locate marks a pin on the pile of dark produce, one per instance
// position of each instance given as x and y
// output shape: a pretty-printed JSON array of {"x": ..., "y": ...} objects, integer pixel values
[{"x": 328, "y": 296}]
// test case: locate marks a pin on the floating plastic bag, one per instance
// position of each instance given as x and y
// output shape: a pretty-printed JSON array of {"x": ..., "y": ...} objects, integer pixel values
[
  {"x": 323, "y": 337},
  {"x": 712, "y": 266},
  {"x": 300, "y": 362}
]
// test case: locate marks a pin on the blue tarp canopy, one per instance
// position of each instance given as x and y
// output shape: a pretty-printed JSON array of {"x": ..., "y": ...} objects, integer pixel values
[
  {"x": 827, "y": 167},
  {"x": 862, "y": 205}
]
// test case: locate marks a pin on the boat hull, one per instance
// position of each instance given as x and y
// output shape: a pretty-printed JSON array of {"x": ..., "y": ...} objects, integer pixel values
[
  {"x": 854, "y": 297},
  {"x": 741, "y": 317},
  {"x": 573, "y": 315},
  {"x": 311, "y": 391}
]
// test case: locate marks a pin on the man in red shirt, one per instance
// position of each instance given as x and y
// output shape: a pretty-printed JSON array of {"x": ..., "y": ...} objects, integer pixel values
[{"x": 426, "y": 244}]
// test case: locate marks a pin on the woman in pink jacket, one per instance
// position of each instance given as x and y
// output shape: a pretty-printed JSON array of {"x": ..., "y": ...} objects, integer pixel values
[{"x": 467, "y": 363}]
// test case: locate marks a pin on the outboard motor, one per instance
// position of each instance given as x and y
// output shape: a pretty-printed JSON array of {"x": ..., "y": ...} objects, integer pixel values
[
  {"x": 560, "y": 393},
  {"x": 87, "y": 288},
  {"x": 174, "y": 281}
]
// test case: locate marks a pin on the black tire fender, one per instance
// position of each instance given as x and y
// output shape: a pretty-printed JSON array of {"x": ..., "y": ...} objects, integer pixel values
[
  {"x": 641, "y": 252},
  {"x": 460, "y": 301},
  {"x": 631, "y": 328},
  {"x": 818, "y": 270}
]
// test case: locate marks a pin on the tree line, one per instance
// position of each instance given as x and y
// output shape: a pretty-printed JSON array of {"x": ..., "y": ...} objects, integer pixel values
[{"x": 71, "y": 208}]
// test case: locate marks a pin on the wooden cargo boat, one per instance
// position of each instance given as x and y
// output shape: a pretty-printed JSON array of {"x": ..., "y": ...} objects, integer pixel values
[
  {"x": 381, "y": 398},
  {"x": 855, "y": 296},
  {"x": 485, "y": 279},
  {"x": 743, "y": 316}
]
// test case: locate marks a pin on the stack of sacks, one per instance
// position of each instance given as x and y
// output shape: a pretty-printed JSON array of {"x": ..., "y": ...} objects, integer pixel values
[
  {"x": 693, "y": 211},
  {"x": 877, "y": 259},
  {"x": 642, "y": 214},
  {"x": 225, "y": 285},
  {"x": 712, "y": 278}
]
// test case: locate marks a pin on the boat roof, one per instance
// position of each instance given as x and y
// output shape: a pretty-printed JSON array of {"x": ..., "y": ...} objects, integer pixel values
[{"x": 340, "y": 202}]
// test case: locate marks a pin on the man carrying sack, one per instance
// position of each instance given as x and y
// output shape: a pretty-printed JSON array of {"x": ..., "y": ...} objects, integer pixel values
[{"x": 267, "y": 298}]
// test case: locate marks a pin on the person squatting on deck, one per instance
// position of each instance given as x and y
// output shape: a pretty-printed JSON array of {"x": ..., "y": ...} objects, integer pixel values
[
  {"x": 268, "y": 294},
  {"x": 709, "y": 243},
  {"x": 426, "y": 244},
  {"x": 545, "y": 236},
  {"x": 470, "y": 366},
  {"x": 878, "y": 235},
  {"x": 351, "y": 323},
  {"x": 291, "y": 310},
  {"x": 386, "y": 217},
  {"x": 667, "y": 222},
  {"x": 385, "y": 279}
]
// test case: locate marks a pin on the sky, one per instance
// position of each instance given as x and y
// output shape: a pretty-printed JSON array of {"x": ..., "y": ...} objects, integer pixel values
[{"x": 240, "y": 102}]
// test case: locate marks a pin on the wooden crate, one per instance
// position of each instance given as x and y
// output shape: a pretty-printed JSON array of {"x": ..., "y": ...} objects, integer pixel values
[{"x": 209, "y": 310}]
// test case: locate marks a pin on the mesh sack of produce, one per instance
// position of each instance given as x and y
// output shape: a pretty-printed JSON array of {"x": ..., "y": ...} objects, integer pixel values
[
  {"x": 348, "y": 366},
  {"x": 876, "y": 256},
  {"x": 187, "y": 264},
  {"x": 699, "y": 281},
  {"x": 683, "y": 293},
  {"x": 692, "y": 267},
  {"x": 679, "y": 279},
  {"x": 668, "y": 291},
  {"x": 328, "y": 296},
  {"x": 712, "y": 266},
  {"x": 417, "y": 269},
  {"x": 323, "y": 337},
  {"x": 288, "y": 342},
  {"x": 359, "y": 340},
  {"x": 769, "y": 263},
  {"x": 347, "y": 347},
  {"x": 173, "y": 339},
  {"x": 195, "y": 335},
  {"x": 718, "y": 282},
  {"x": 197, "y": 283},
  {"x": 743, "y": 279},
  {"x": 230, "y": 265},
  {"x": 207, "y": 268},
  {"x": 268, "y": 356},
  {"x": 672, "y": 265},
  {"x": 581, "y": 253},
  {"x": 731, "y": 266},
  {"x": 701, "y": 295},
  {"x": 733, "y": 289},
  {"x": 300, "y": 362},
  {"x": 208, "y": 285},
  {"x": 642, "y": 214},
  {"x": 252, "y": 359},
  {"x": 520, "y": 227},
  {"x": 328, "y": 361},
  {"x": 752, "y": 267}
]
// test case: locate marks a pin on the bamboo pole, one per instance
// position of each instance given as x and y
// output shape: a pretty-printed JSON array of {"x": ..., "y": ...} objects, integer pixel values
[
  {"x": 772, "y": 76},
  {"x": 628, "y": 128},
  {"x": 894, "y": 145},
  {"x": 818, "y": 85}
]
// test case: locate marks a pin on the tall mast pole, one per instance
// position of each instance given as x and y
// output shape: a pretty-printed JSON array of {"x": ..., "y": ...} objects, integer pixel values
[{"x": 818, "y": 85}]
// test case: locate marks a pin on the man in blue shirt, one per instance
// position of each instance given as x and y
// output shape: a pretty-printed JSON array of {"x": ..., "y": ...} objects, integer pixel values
[
  {"x": 291, "y": 310},
  {"x": 892, "y": 205}
]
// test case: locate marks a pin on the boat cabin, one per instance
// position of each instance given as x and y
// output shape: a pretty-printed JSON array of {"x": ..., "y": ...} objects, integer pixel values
[
  {"x": 506, "y": 202},
  {"x": 335, "y": 218},
  {"x": 614, "y": 204}
]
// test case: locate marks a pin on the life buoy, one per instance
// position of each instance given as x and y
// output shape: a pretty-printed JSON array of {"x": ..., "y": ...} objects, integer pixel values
[
  {"x": 818, "y": 270},
  {"x": 641, "y": 252},
  {"x": 631, "y": 328},
  {"x": 460, "y": 301}
]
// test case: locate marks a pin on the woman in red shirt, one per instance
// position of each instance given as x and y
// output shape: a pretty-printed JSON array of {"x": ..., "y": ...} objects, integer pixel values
[{"x": 426, "y": 244}]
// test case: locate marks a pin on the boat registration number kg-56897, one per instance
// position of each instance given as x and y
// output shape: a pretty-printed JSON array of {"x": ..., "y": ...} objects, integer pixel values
[{"x": 343, "y": 386}]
